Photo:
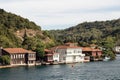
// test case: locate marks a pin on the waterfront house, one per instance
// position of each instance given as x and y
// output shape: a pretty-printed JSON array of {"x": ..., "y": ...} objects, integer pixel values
[
  {"x": 92, "y": 54},
  {"x": 20, "y": 56},
  {"x": 48, "y": 56},
  {"x": 67, "y": 53}
]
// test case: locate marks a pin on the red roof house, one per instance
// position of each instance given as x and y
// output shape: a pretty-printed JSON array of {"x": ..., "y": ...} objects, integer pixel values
[
  {"x": 20, "y": 56},
  {"x": 94, "y": 54}
]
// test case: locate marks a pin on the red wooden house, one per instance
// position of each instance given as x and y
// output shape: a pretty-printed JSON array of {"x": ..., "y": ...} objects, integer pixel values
[
  {"x": 20, "y": 56},
  {"x": 48, "y": 56},
  {"x": 94, "y": 54}
]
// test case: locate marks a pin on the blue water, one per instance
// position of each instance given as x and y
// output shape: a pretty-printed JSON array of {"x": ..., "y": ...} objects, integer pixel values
[{"x": 109, "y": 70}]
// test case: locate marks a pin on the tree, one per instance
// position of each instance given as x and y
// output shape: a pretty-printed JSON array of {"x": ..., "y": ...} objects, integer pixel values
[
  {"x": 5, "y": 60},
  {"x": 109, "y": 53},
  {"x": 108, "y": 45},
  {"x": 40, "y": 51},
  {"x": 29, "y": 43}
]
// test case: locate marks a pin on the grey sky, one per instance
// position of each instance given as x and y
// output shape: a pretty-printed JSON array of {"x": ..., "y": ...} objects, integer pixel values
[{"x": 61, "y": 14}]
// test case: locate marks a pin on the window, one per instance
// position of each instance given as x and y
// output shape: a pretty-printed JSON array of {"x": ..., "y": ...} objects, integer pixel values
[
  {"x": 79, "y": 51},
  {"x": 14, "y": 56},
  {"x": 69, "y": 52},
  {"x": 55, "y": 55},
  {"x": 50, "y": 58},
  {"x": 23, "y": 55},
  {"x": 64, "y": 58},
  {"x": 11, "y": 56},
  {"x": 33, "y": 56},
  {"x": 74, "y": 57},
  {"x": 18, "y": 55},
  {"x": 30, "y": 55},
  {"x": 75, "y": 51}
]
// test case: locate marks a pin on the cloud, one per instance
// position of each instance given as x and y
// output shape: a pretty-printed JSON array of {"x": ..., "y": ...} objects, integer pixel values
[{"x": 63, "y": 13}]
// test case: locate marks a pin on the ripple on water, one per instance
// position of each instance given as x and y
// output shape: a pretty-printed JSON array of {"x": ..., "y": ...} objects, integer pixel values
[{"x": 83, "y": 71}]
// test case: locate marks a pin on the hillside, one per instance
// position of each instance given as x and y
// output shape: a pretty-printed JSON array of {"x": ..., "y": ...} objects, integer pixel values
[
  {"x": 16, "y": 31},
  {"x": 90, "y": 32}
]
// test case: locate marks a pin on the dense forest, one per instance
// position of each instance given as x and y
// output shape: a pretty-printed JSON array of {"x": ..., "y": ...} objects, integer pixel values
[
  {"x": 90, "y": 32},
  {"x": 16, "y": 31}
]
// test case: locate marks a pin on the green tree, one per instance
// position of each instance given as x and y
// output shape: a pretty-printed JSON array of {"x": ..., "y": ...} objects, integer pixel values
[
  {"x": 29, "y": 43},
  {"x": 108, "y": 45},
  {"x": 40, "y": 51},
  {"x": 5, "y": 60}
]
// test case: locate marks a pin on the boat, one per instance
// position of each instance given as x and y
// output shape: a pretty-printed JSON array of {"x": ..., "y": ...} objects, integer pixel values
[{"x": 106, "y": 59}]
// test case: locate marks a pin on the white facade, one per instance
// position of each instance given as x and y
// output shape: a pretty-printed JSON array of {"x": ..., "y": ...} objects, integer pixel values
[
  {"x": 74, "y": 55},
  {"x": 70, "y": 55},
  {"x": 56, "y": 57}
]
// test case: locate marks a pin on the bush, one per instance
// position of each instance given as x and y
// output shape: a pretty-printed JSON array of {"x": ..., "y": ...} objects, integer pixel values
[{"x": 5, "y": 60}]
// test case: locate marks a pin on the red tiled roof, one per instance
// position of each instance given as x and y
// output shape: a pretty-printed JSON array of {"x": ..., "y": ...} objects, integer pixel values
[
  {"x": 97, "y": 50},
  {"x": 86, "y": 49},
  {"x": 17, "y": 50},
  {"x": 47, "y": 50},
  {"x": 89, "y": 49}
]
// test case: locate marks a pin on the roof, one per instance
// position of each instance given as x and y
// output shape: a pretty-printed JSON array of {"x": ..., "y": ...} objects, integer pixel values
[
  {"x": 89, "y": 49},
  {"x": 47, "y": 50},
  {"x": 65, "y": 47},
  {"x": 17, "y": 50}
]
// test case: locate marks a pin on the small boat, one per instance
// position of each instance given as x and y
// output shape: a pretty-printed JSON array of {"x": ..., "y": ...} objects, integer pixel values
[{"x": 106, "y": 59}]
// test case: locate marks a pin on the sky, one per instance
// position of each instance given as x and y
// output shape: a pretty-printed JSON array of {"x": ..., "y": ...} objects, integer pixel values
[{"x": 61, "y": 14}]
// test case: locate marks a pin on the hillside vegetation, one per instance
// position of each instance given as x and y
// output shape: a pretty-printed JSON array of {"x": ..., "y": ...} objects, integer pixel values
[
  {"x": 105, "y": 34},
  {"x": 90, "y": 32},
  {"x": 16, "y": 31}
]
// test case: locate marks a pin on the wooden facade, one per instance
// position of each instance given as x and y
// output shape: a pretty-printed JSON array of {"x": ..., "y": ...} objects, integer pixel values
[
  {"x": 20, "y": 56},
  {"x": 94, "y": 54},
  {"x": 48, "y": 56}
]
